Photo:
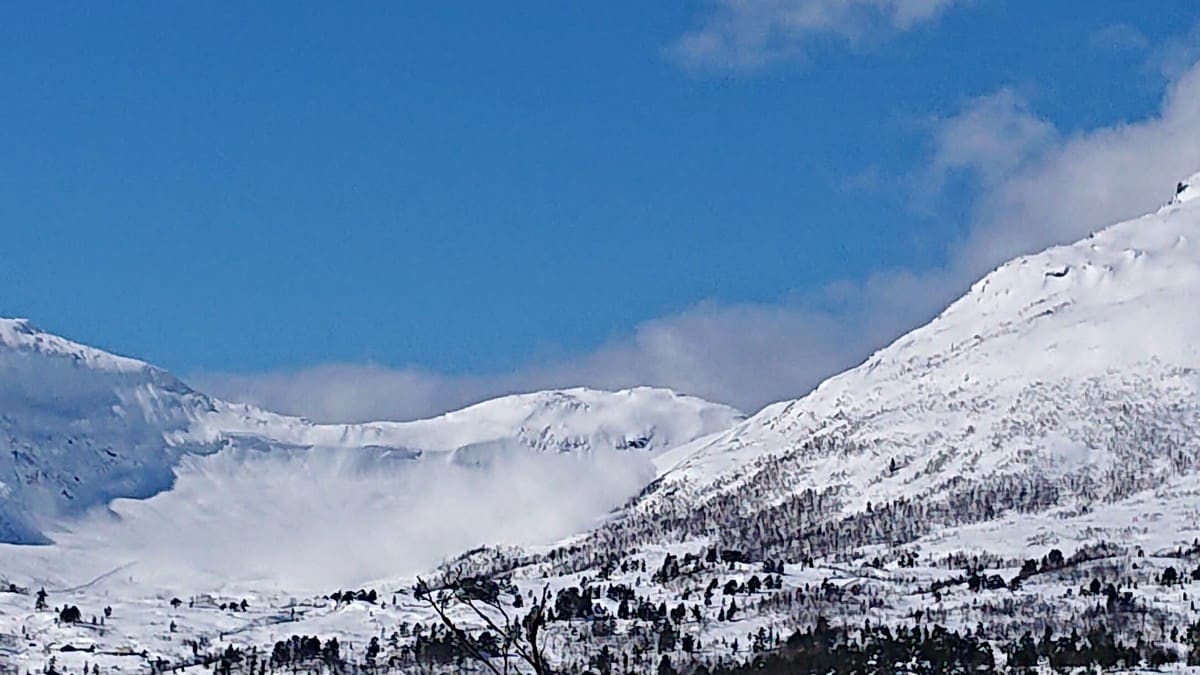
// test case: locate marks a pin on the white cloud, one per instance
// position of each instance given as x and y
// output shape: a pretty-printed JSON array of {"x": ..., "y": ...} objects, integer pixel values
[
  {"x": 1177, "y": 55},
  {"x": 1119, "y": 37},
  {"x": 744, "y": 355},
  {"x": 747, "y": 34},
  {"x": 347, "y": 392},
  {"x": 992, "y": 137},
  {"x": 1035, "y": 187},
  {"x": 1064, "y": 189}
]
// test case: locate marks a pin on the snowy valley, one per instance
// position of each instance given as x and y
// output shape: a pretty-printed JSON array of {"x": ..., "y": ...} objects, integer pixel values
[{"x": 1015, "y": 484}]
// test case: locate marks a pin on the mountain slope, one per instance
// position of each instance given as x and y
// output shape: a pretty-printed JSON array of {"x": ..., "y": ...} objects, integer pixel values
[
  {"x": 80, "y": 427},
  {"x": 1027, "y": 464},
  {"x": 1063, "y": 381}
]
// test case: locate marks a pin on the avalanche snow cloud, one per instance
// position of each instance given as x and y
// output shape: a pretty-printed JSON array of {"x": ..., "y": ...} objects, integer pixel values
[
  {"x": 119, "y": 463},
  {"x": 318, "y": 518}
]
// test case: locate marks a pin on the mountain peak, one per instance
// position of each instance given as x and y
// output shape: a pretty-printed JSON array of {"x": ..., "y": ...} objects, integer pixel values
[
  {"x": 83, "y": 427},
  {"x": 1073, "y": 370},
  {"x": 20, "y": 335}
]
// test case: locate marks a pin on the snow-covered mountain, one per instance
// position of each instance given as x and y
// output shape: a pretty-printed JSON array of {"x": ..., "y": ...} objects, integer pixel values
[
  {"x": 1028, "y": 463},
  {"x": 1063, "y": 387},
  {"x": 568, "y": 420},
  {"x": 80, "y": 427},
  {"x": 1015, "y": 484}
]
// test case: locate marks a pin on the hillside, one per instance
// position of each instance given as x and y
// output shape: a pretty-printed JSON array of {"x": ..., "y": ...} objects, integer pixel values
[
  {"x": 1062, "y": 381},
  {"x": 1014, "y": 484},
  {"x": 1042, "y": 433}
]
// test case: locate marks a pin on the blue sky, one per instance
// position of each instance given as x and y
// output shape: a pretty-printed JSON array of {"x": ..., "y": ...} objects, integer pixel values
[{"x": 491, "y": 194}]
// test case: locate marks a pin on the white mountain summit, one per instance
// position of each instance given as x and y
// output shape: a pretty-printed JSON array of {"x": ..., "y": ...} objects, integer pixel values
[{"x": 82, "y": 427}]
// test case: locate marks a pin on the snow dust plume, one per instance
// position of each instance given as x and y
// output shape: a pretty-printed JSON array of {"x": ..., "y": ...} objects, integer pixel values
[{"x": 321, "y": 519}]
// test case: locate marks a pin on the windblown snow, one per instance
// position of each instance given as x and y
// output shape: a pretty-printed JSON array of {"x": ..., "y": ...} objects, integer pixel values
[
  {"x": 1052, "y": 413},
  {"x": 118, "y": 461}
]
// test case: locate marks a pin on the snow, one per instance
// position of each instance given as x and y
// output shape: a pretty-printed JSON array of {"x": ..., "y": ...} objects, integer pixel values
[
  {"x": 1190, "y": 190},
  {"x": 314, "y": 519},
  {"x": 553, "y": 421},
  {"x": 1075, "y": 371},
  {"x": 120, "y": 463},
  {"x": 21, "y": 335},
  {"x": 995, "y": 381}
]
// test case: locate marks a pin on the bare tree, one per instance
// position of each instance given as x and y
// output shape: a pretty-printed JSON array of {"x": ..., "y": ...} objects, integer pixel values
[{"x": 519, "y": 638}]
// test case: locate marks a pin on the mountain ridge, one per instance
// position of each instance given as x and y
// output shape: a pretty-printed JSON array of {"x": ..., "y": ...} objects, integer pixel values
[
  {"x": 1064, "y": 381},
  {"x": 83, "y": 426}
]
